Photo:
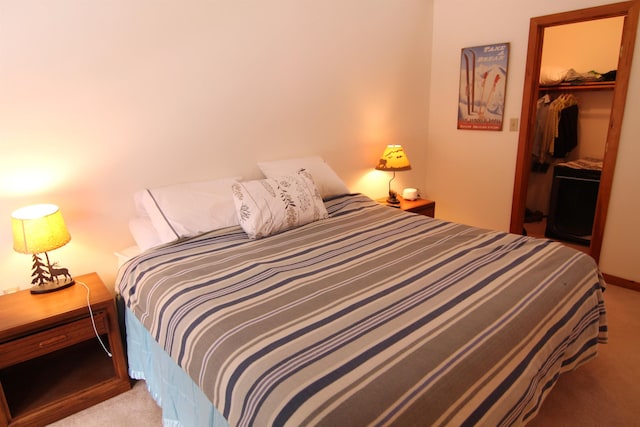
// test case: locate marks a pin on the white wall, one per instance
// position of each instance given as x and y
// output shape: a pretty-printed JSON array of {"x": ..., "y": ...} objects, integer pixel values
[
  {"x": 471, "y": 173},
  {"x": 620, "y": 253},
  {"x": 100, "y": 99}
]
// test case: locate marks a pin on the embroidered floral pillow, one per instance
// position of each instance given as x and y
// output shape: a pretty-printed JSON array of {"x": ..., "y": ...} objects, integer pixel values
[{"x": 269, "y": 206}]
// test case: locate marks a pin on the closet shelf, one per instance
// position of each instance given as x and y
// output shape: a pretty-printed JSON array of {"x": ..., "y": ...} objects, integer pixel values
[{"x": 578, "y": 87}]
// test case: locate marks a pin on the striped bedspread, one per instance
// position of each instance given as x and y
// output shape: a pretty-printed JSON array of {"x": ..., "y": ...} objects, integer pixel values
[{"x": 371, "y": 317}]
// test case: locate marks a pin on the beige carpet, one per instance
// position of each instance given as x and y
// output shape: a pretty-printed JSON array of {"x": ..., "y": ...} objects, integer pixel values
[
  {"x": 604, "y": 392},
  {"x": 133, "y": 408}
]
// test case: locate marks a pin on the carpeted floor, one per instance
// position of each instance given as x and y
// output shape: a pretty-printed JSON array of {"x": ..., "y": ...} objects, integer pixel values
[
  {"x": 133, "y": 408},
  {"x": 603, "y": 392}
]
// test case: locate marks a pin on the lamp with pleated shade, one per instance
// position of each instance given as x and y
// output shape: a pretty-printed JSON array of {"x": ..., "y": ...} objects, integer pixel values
[
  {"x": 38, "y": 229},
  {"x": 392, "y": 160}
]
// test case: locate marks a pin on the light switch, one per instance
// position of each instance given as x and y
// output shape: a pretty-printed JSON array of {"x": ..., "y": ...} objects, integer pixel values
[{"x": 513, "y": 124}]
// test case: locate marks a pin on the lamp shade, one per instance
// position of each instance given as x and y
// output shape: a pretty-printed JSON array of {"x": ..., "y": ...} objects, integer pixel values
[
  {"x": 393, "y": 159},
  {"x": 38, "y": 228}
]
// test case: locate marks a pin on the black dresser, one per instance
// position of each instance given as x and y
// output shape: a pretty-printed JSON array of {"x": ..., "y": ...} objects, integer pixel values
[{"x": 572, "y": 202}]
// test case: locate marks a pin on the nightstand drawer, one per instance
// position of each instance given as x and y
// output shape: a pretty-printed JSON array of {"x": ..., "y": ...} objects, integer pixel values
[
  {"x": 428, "y": 210},
  {"x": 61, "y": 336}
]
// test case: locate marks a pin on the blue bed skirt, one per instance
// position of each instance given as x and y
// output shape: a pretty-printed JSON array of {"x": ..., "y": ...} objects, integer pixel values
[{"x": 183, "y": 403}]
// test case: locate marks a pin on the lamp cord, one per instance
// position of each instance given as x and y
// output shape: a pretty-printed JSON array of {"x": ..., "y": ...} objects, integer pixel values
[{"x": 93, "y": 322}]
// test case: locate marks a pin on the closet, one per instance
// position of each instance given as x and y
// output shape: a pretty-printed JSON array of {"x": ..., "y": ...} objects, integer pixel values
[{"x": 571, "y": 124}]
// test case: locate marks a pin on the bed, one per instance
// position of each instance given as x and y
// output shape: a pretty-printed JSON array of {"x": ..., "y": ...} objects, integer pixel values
[{"x": 370, "y": 316}]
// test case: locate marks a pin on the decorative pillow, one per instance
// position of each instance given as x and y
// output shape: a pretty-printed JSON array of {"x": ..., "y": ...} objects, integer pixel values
[
  {"x": 328, "y": 182},
  {"x": 268, "y": 206},
  {"x": 184, "y": 210}
]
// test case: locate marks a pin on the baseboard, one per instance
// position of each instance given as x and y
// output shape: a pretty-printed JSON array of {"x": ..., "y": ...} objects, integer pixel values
[{"x": 619, "y": 281}]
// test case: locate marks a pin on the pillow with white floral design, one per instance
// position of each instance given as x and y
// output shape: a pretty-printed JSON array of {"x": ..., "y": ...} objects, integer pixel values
[{"x": 269, "y": 206}]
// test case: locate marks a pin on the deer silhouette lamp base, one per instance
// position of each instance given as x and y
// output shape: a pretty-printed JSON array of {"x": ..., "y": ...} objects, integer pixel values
[
  {"x": 36, "y": 230},
  {"x": 46, "y": 277},
  {"x": 52, "y": 286}
]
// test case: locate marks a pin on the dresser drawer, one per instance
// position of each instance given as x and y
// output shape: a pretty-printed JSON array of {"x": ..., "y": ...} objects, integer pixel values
[{"x": 47, "y": 341}]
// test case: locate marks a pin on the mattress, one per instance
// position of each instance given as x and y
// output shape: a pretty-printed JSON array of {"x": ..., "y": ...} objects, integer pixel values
[
  {"x": 374, "y": 315},
  {"x": 183, "y": 403}
]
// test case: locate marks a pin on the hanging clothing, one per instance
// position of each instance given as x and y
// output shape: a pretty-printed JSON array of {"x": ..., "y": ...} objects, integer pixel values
[
  {"x": 567, "y": 136},
  {"x": 556, "y": 132},
  {"x": 542, "y": 110}
]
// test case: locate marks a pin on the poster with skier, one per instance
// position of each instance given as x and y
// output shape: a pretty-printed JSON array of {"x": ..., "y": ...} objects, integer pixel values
[{"x": 483, "y": 80}]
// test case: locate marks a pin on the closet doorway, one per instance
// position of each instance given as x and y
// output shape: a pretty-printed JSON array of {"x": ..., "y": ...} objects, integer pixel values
[{"x": 628, "y": 10}]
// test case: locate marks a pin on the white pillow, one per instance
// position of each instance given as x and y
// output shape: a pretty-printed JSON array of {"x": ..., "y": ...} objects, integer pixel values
[
  {"x": 184, "y": 210},
  {"x": 552, "y": 76},
  {"x": 144, "y": 233},
  {"x": 268, "y": 206},
  {"x": 125, "y": 255},
  {"x": 328, "y": 182}
]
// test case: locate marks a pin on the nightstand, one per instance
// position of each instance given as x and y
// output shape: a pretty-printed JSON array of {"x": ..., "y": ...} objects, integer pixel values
[
  {"x": 51, "y": 362},
  {"x": 419, "y": 206}
]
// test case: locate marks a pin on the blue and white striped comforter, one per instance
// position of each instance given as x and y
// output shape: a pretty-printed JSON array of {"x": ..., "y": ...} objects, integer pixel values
[{"x": 371, "y": 317}]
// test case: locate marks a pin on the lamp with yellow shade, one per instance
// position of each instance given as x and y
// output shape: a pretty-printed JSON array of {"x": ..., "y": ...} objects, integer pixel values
[
  {"x": 392, "y": 160},
  {"x": 38, "y": 229}
]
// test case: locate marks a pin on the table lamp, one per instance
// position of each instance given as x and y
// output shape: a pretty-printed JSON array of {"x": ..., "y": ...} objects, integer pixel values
[
  {"x": 38, "y": 229},
  {"x": 393, "y": 159}
]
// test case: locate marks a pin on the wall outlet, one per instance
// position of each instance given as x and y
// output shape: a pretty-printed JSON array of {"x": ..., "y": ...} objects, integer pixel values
[{"x": 513, "y": 124}]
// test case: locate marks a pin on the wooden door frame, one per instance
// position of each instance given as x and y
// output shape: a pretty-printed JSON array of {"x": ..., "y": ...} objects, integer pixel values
[{"x": 537, "y": 26}]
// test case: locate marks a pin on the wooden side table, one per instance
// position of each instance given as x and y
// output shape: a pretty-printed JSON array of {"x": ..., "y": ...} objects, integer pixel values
[
  {"x": 51, "y": 362},
  {"x": 419, "y": 206}
]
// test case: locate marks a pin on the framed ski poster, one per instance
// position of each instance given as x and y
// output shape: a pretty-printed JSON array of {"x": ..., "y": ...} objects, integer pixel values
[{"x": 483, "y": 81}]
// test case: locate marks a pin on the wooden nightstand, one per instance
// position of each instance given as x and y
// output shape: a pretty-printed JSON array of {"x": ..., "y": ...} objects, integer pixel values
[
  {"x": 419, "y": 206},
  {"x": 51, "y": 363}
]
